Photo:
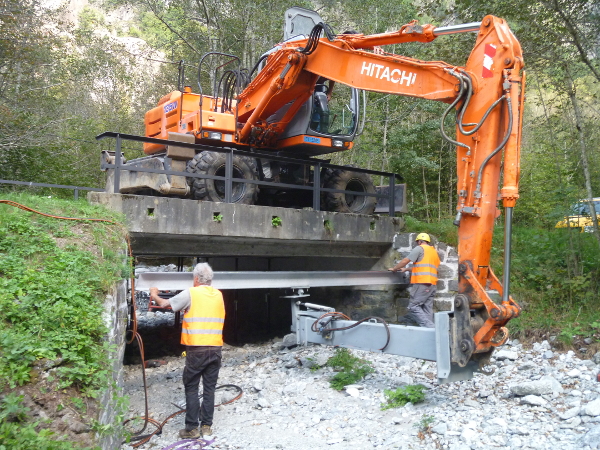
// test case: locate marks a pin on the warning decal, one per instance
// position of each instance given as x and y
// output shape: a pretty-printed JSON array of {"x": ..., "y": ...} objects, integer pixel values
[{"x": 488, "y": 60}]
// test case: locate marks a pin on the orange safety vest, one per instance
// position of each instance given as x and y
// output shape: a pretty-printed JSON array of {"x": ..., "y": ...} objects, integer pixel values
[
  {"x": 426, "y": 270},
  {"x": 203, "y": 322}
]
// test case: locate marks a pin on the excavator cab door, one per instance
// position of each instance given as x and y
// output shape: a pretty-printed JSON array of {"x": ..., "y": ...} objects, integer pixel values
[{"x": 299, "y": 22}]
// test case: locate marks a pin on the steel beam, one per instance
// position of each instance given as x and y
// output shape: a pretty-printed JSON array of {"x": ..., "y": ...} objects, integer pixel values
[{"x": 177, "y": 281}]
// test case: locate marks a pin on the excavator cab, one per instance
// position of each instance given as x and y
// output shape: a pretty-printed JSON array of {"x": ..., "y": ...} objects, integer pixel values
[{"x": 330, "y": 117}]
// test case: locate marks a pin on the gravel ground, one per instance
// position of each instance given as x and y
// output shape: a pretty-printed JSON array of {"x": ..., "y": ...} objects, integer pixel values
[{"x": 536, "y": 399}]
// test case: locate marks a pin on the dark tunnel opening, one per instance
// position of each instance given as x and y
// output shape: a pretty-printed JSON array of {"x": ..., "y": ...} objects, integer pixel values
[
  {"x": 252, "y": 316},
  {"x": 257, "y": 315}
]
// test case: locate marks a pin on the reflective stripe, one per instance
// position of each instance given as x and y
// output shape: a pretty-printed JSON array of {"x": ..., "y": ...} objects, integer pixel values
[
  {"x": 426, "y": 270},
  {"x": 204, "y": 319},
  {"x": 426, "y": 265},
  {"x": 194, "y": 331},
  {"x": 203, "y": 322},
  {"x": 433, "y": 274}
]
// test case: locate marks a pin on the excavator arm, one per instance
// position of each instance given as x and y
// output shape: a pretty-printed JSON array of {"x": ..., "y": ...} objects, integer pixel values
[{"x": 487, "y": 95}]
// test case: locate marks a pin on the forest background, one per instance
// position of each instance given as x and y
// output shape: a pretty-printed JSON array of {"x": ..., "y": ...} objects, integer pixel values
[{"x": 70, "y": 71}]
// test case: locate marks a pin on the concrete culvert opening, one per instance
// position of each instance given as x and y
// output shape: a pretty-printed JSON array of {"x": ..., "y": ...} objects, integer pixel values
[{"x": 255, "y": 316}]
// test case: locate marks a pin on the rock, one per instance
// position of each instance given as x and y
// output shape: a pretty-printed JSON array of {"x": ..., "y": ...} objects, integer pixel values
[
  {"x": 308, "y": 363},
  {"x": 571, "y": 423},
  {"x": 575, "y": 373},
  {"x": 546, "y": 385},
  {"x": 471, "y": 403},
  {"x": 515, "y": 442},
  {"x": 321, "y": 359},
  {"x": 533, "y": 400},
  {"x": 569, "y": 414},
  {"x": 353, "y": 392},
  {"x": 596, "y": 358},
  {"x": 502, "y": 355},
  {"x": 289, "y": 340},
  {"x": 527, "y": 366},
  {"x": 468, "y": 434},
  {"x": 440, "y": 428},
  {"x": 548, "y": 354},
  {"x": 592, "y": 408},
  {"x": 499, "y": 422},
  {"x": 588, "y": 341},
  {"x": 263, "y": 403},
  {"x": 591, "y": 438}
]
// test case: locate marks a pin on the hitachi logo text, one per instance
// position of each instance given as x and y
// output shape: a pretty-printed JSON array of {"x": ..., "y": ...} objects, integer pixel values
[{"x": 384, "y": 73}]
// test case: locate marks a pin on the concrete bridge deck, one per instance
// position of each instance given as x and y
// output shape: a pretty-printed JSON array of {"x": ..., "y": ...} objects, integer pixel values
[{"x": 162, "y": 226}]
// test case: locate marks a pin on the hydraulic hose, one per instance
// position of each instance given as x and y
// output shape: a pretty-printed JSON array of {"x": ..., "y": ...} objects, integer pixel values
[
  {"x": 502, "y": 144},
  {"x": 339, "y": 315}
]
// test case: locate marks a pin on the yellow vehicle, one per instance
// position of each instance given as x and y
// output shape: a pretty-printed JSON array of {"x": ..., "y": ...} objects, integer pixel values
[{"x": 580, "y": 216}]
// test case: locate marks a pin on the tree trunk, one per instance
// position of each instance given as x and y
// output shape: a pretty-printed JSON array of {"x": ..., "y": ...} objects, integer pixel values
[{"x": 584, "y": 158}]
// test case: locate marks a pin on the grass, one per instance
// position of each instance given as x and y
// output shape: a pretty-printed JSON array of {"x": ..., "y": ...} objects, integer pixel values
[{"x": 54, "y": 277}]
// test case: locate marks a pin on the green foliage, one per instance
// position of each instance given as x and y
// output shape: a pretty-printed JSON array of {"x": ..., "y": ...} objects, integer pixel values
[
  {"x": 555, "y": 277},
  {"x": 414, "y": 393},
  {"x": 560, "y": 268},
  {"x": 276, "y": 221},
  {"x": 17, "y": 433},
  {"x": 218, "y": 218},
  {"x": 351, "y": 369},
  {"x": 444, "y": 230},
  {"x": 52, "y": 290},
  {"x": 424, "y": 424}
]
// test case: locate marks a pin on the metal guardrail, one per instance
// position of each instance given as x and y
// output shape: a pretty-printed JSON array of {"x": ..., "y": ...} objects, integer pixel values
[
  {"x": 75, "y": 189},
  {"x": 229, "y": 179}
]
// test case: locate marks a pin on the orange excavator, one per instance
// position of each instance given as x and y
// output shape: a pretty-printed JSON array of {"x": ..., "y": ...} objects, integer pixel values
[{"x": 287, "y": 104}]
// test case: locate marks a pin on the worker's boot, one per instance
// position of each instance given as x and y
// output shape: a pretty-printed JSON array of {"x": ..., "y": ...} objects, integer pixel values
[
  {"x": 190, "y": 434},
  {"x": 206, "y": 430}
]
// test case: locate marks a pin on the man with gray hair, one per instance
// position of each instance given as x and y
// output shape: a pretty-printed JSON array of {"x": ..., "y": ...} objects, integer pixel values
[{"x": 202, "y": 334}]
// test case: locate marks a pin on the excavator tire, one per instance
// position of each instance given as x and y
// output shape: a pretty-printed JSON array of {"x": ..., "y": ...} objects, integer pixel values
[
  {"x": 348, "y": 181},
  {"x": 213, "y": 163}
]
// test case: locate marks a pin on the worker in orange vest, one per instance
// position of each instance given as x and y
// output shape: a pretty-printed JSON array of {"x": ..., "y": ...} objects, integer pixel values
[
  {"x": 423, "y": 279},
  {"x": 202, "y": 334}
]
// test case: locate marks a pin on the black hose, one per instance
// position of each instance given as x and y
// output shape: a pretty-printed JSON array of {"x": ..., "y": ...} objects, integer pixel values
[
  {"x": 379, "y": 319},
  {"x": 458, "y": 98},
  {"x": 502, "y": 144},
  {"x": 261, "y": 59},
  {"x": 315, "y": 34}
]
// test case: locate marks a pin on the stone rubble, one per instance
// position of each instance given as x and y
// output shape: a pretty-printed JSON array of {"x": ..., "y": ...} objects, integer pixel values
[{"x": 531, "y": 401}]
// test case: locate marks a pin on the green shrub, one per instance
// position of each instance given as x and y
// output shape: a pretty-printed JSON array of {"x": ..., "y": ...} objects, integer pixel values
[
  {"x": 351, "y": 368},
  {"x": 403, "y": 395}
]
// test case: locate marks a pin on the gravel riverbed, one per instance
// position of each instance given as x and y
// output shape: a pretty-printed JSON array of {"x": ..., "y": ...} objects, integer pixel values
[{"x": 537, "y": 398}]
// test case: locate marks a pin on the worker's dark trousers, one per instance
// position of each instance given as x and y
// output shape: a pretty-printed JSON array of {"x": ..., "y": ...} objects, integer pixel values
[
  {"x": 200, "y": 362},
  {"x": 420, "y": 304}
]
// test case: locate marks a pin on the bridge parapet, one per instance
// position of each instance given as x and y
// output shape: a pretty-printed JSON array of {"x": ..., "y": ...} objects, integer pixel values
[{"x": 162, "y": 226}]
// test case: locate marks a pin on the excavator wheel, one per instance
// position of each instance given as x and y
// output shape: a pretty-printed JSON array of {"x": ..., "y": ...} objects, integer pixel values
[
  {"x": 348, "y": 181},
  {"x": 213, "y": 163}
]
